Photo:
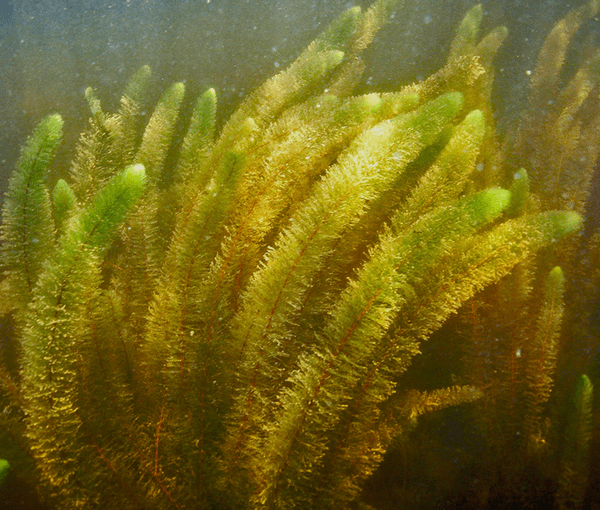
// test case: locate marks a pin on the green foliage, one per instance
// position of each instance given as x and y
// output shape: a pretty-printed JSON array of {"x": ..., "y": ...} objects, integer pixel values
[
  {"x": 573, "y": 482},
  {"x": 57, "y": 327},
  {"x": 229, "y": 327},
  {"x": 199, "y": 138},
  {"x": 515, "y": 352},
  {"x": 27, "y": 227},
  {"x": 519, "y": 192},
  {"x": 543, "y": 353},
  {"x": 4, "y": 469},
  {"x": 64, "y": 201},
  {"x": 159, "y": 131}
]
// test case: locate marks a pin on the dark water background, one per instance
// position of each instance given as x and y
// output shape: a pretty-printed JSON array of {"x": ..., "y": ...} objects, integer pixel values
[{"x": 51, "y": 50}]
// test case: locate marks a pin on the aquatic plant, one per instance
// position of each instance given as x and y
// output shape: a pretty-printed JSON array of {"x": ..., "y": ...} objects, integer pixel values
[
  {"x": 574, "y": 472},
  {"x": 514, "y": 348},
  {"x": 227, "y": 327}
]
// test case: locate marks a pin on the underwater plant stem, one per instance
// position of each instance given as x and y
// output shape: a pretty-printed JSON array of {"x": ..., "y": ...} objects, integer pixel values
[{"x": 158, "y": 427}]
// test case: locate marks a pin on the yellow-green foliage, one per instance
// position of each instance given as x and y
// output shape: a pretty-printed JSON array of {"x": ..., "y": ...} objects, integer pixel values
[
  {"x": 542, "y": 354},
  {"x": 556, "y": 140},
  {"x": 230, "y": 332},
  {"x": 514, "y": 328}
]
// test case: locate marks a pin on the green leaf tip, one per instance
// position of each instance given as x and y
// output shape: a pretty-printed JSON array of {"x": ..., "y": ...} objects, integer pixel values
[
  {"x": 61, "y": 186},
  {"x": 317, "y": 66},
  {"x": 54, "y": 121},
  {"x": 565, "y": 222},
  {"x": 4, "y": 469},
  {"x": 474, "y": 118},
  {"x": 451, "y": 103},
  {"x": 455, "y": 98},
  {"x": 502, "y": 31},
  {"x": 490, "y": 203},
  {"x": 584, "y": 389},
  {"x": 137, "y": 83},
  {"x": 333, "y": 58},
  {"x": 45, "y": 138},
  {"x": 49, "y": 134},
  {"x": 39, "y": 148},
  {"x": 520, "y": 192},
  {"x": 64, "y": 201},
  {"x": 371, "y": 102},
  {"x": 96, "y": 224},
  {"x": 556, "y": 276},
  {"x": 471, "y": 22},
  {"x": 476, "y": 13},
  {"x": 339, "y": 32},
  {"x": 435, "y": 115},
  {"x": 137, "y": 170},
  {"x": 135, "y": 177},
  {"x": 583, "y": 404},
  {"x": 26, "y": 233},
  {"x": 175, "y": 92},
  {"x": 93, "y": 101}
]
